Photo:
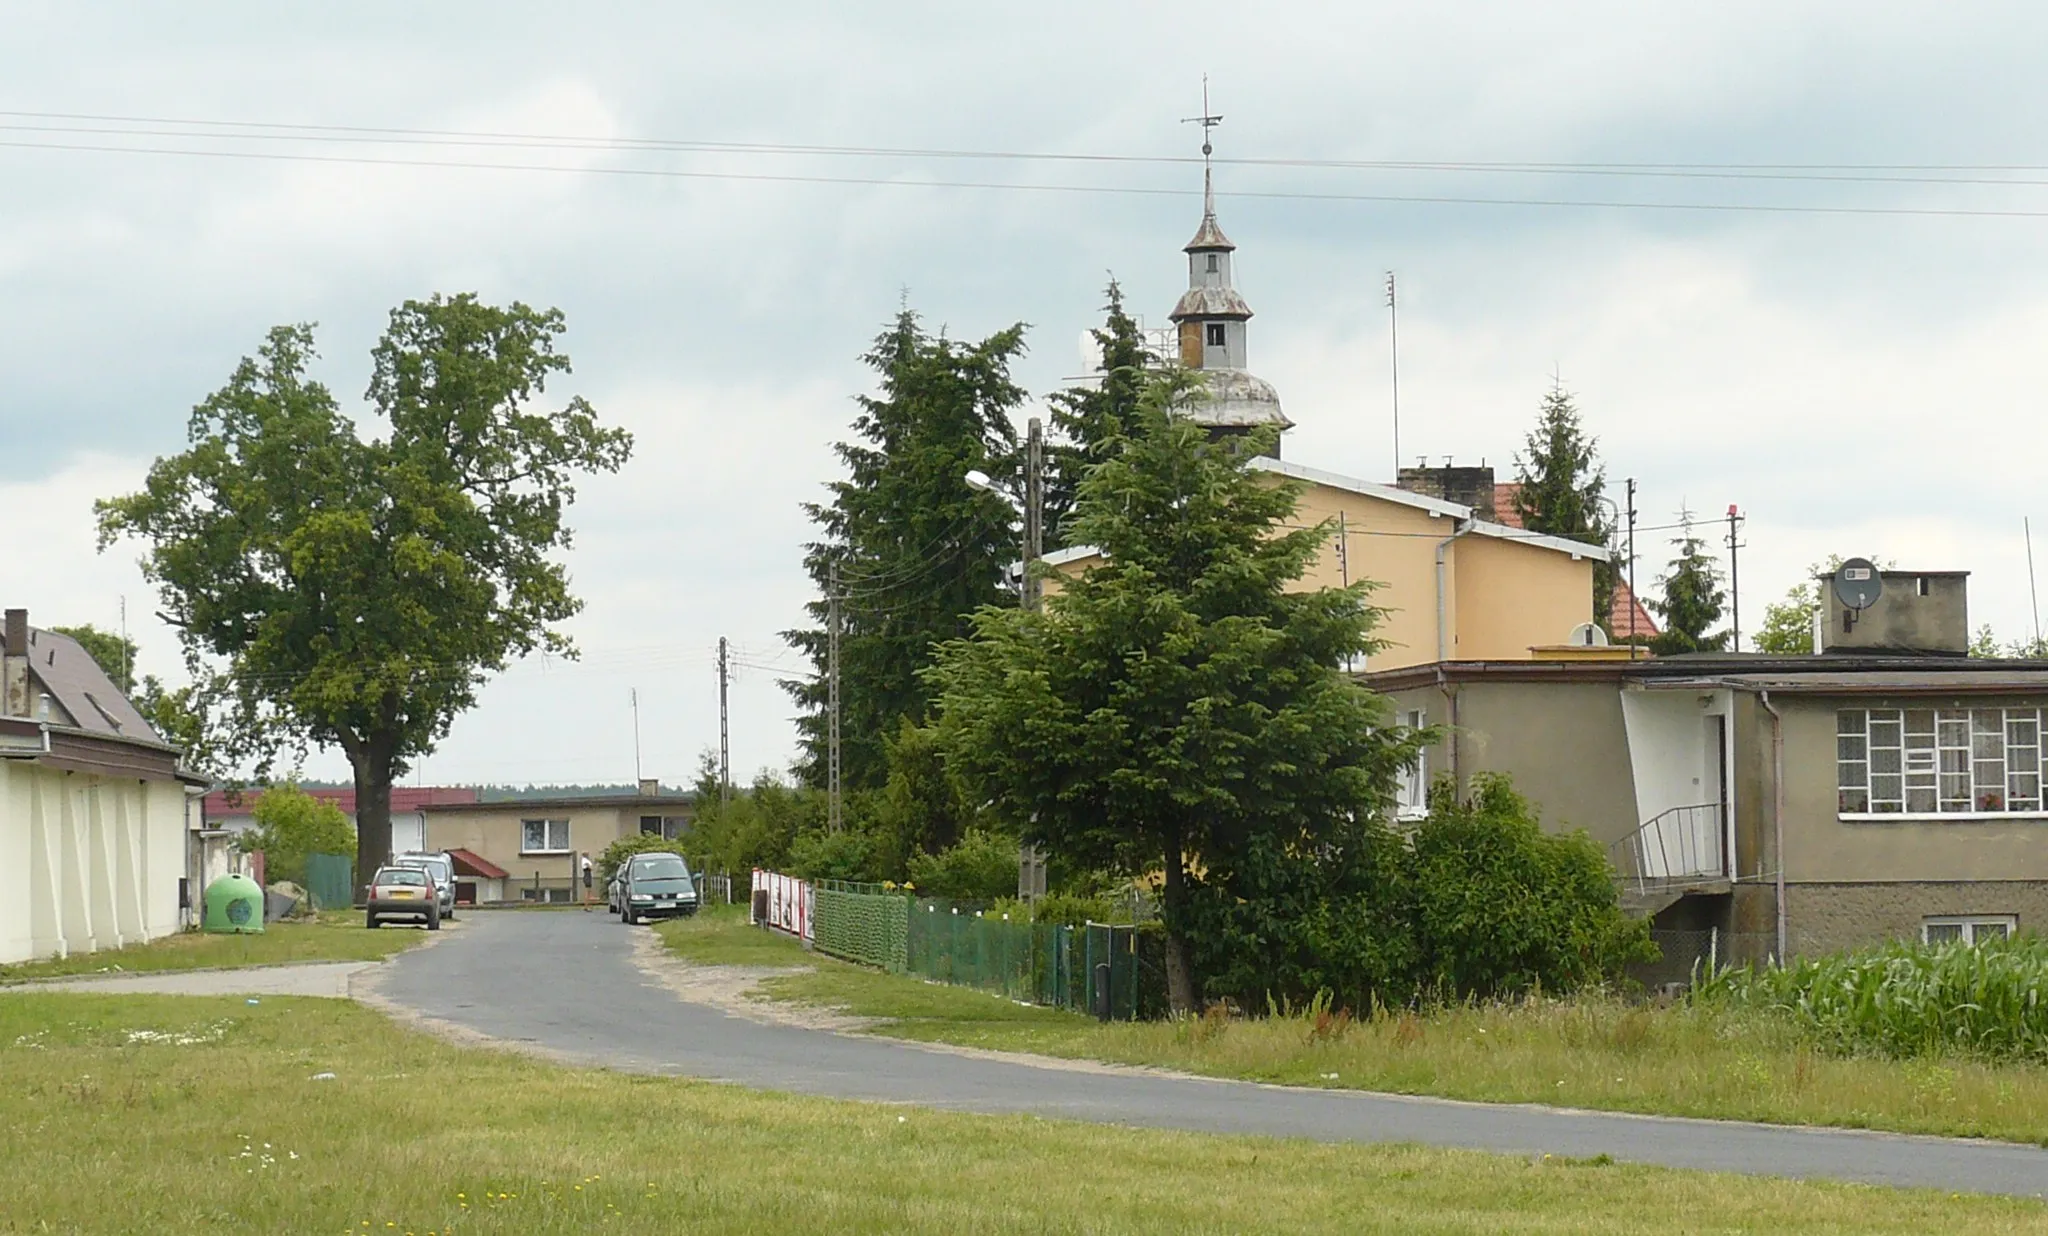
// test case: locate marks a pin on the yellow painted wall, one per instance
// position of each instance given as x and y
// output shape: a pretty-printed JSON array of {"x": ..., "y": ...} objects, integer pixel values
[
  {"x": 494, "y": 834},
  {"x": 1502, "y": 597}
]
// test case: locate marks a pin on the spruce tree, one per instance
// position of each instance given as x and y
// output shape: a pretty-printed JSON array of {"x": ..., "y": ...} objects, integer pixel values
[
  {"x": 1692, "y": 597},
  {"x": 1092, "y": 418},
  {"x": 1561, "y": 486},
  {"x": 915, "y": 547}
]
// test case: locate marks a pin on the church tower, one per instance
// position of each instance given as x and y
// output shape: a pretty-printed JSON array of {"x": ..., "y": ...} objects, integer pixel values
[{"x": 1211, "y": 318}]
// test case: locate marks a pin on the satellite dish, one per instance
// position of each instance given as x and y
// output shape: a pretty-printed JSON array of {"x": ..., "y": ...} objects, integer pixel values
[
  {"x": 1858, "y": 584},
  {"x": 1589, "y": 635}
]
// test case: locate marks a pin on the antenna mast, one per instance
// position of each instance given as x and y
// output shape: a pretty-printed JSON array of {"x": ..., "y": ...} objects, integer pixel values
[
  {"x": 2027, "y": 527},
  {"x": 1208, "y": 121},
  {"x": 724, "y": 745},
  {"x": 1394, "y": 347}
]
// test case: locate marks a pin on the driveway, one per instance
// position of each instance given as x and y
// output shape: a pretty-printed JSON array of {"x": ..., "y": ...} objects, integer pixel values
[
  {"x": 306, "y": 978},
  {"x": 566, "y": 983}
]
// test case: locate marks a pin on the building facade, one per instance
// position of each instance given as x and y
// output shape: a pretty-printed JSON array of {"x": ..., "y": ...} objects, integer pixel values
[{"x": 532, "y": 849}]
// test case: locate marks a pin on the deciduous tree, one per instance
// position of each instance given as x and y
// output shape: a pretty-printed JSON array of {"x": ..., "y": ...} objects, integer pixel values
[{"x": 336, "y": 590}]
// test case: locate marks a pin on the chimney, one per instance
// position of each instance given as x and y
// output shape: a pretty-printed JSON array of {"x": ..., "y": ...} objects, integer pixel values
[
  {"x": 14, "y": 666},
  {"x": 1917, "y": 613},
  {"x": 650, "y": 787},
  {"x": 1466, "y": 486}
]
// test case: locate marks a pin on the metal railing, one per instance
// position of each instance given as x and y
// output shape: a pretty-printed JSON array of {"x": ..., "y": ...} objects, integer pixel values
[{"x": 1682, "y": 846}]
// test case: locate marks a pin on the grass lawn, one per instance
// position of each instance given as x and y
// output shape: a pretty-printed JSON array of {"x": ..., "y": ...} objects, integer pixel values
[
  {"x": 335, "y": 935},
  {"x": 1594, "y": 1053},
  {"x": 177, "y": 1114}
]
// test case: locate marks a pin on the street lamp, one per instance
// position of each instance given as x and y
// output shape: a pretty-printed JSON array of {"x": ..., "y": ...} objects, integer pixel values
[{"x": 1031, "y": 511}]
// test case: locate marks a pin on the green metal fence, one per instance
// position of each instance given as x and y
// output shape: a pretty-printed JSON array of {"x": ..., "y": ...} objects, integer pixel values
[
  {"x": 848, "y": 920},
  {"x": 330, "y": 880},
  {"x": 1036, "y": 963}
]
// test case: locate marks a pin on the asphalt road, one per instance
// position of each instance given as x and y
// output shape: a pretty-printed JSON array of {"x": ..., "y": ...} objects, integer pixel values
[{"x": 566, "y": 982}]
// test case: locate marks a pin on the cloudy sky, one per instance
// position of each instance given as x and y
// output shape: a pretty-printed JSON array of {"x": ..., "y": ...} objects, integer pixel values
[{"x": 1849, "y": 346}]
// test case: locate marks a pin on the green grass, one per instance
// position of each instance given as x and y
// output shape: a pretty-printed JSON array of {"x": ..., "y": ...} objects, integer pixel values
[
  {"x": 174, "y": 1114},
  {"x": 1604, "y": 1054},
  {"x": 335, "y": 935}
]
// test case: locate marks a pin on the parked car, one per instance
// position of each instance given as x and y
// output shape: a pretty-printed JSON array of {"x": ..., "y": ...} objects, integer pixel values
[
  {"x": 439, "y": 866},
  {"x": 611, "y": 890},
  {"x": 655, "y": 885},
  {"x": 403, "y": 892}
]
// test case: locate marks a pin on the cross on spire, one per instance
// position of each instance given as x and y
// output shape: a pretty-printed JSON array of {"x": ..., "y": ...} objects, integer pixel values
[{"x": 1208, "y": 120}]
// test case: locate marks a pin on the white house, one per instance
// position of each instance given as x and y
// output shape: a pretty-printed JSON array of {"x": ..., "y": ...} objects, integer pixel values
[{"x": 98, "y": 835}]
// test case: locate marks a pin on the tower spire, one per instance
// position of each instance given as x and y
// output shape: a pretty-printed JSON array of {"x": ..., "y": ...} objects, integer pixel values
[{"x": 1208, "y": 120}]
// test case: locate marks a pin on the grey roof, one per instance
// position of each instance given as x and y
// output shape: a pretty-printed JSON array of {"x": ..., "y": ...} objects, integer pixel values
[
  {"x": 1208, "y": 236},
  {"x": 77, "y": 686},
  {"x": 1233, "y": 398},
  {"x": 1210, "y": 302}
]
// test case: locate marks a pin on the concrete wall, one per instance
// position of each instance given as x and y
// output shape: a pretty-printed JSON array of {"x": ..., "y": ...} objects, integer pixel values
[
  {"x": 1917, "y": 611},
  {"x": 1562, "y": 743},
  {"x": 1826, "y": 918},
  {"x": 87, "y": 862}
]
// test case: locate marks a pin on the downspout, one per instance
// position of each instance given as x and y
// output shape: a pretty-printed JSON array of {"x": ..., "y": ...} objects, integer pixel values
[
  {"x": 1777, "y": 808},
  {"x": 1443, "y": 649}
]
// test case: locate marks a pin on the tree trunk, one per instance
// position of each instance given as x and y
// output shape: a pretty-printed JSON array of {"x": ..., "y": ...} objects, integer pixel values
[
  {"x": 372, "y": 766},
  {"x": 1180, "y": 976}
]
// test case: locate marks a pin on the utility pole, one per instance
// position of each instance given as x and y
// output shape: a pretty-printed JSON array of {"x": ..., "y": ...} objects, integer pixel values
[
  {"x": 1734, "y": 584},
  {"x": 724, "y": 744},
  {"x": 633, "y": 696},
  {"x": 128, "y": 671},
  {"x": 2033, "y": 596},
  {"x": 1633, "y": 602},
  {"x": 833, "y": 817},
  {"x": 1394, "y": 349},
  {"x": 1344, "y": 563},
  {"x": 1031, "y": 591}
]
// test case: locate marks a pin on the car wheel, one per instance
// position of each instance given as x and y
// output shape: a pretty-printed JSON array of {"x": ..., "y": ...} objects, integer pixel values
[
  {"x": 433, "y": 920},
  {"x": 369, "y": 920},
  {"x": 630, "y": 920}
]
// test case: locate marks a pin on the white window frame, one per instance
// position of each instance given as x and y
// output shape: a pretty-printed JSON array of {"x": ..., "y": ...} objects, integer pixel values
[
  {"x": 1412, "y": 789},
  {"x": 1904, "y": 764},
  {"x": 551, "y": 841},
  {"x": 1991, "y": 926}
]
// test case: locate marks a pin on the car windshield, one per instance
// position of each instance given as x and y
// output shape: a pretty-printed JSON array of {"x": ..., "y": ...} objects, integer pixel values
[
  {"x": 661, "y": 867},
  {"x": 401, "y": 875}
]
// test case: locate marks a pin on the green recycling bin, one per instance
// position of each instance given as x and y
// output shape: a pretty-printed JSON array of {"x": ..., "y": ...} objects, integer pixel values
[{"x": 234, "y": 903}]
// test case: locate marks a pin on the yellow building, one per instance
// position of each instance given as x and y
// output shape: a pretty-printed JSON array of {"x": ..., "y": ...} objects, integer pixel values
[{"x": 1456, "y": 587}]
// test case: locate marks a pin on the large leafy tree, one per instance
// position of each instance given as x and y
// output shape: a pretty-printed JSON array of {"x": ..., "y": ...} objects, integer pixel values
[
  {"x": 176, "y": 714},
  {"x": 1692, "y": 597},
  {"x": 336, "y": 590},
  {"x": 1179, "y": 706},
  {"x": 914, "y": 548},
  {"x": 1092, "y": 419},
  {"x": 114, "y": 653},
  {"x": 1562, "y": 484}
]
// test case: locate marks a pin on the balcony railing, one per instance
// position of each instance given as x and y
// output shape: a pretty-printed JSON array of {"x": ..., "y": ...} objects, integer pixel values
[{"x": 1674, "y": 849}]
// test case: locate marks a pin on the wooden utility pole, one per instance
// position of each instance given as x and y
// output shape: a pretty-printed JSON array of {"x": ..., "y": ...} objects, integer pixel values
[
  {"x": 724, "y": 744},
  {"x": 833, "y": 817},
  {"x": 1032, "y": 592}
]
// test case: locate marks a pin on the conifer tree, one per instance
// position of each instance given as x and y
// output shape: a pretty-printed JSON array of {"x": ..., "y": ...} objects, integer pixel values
[
  {"x": 1091, "y": 418},
  {"x": 915, "y": 547},
  {"x": 1692, "y": 597},
  {"x": 1562, "y": 483}
]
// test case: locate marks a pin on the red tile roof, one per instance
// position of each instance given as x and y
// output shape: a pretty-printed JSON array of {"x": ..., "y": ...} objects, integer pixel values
[
  {"x": 223, "y": 803},
  {"x": 472, "y": 864},
  {"x": 1504, "y": 512}
]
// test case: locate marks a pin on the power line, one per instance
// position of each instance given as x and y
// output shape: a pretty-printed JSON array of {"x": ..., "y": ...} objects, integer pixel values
[{"x": 1011, "y": 186}]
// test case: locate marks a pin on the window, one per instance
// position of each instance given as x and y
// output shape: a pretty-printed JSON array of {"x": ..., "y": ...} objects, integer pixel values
[
  {"x": 650, "y": 824},
  {"x": 1212, "y": 264},
  {"x": 543, "y": 836},
  {"x": 1938, "y": 761},
  {"x": 1413, "y": 788},
  {"x": 1217, "y": 338},
  {"x": 1968, "y": 929}
]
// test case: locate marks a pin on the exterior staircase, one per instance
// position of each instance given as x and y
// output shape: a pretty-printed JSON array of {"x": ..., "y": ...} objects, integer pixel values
[{"x": 1675, "y": 854}]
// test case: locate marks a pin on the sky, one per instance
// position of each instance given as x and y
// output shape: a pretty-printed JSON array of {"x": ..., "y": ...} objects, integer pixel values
[{"x": 1747, "y": 276}]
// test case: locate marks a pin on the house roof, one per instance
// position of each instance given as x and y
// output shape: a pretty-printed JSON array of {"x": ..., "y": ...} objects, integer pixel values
[
  {"x": 476, "y": 865},
  {"x": 404, "y": 798},
  {"x": 1625, "y": 605},
  {"x": 530, "y": 806},
  {"x": 75, "y": 683},
  {"x": 1825, "y": 673},
  {"x": 1398, "y": 496}
]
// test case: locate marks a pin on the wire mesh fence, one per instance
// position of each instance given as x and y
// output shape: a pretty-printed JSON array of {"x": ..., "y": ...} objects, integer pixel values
[
  {"x": 330, "y": 881},
  {"x": 871, "y": 927}
]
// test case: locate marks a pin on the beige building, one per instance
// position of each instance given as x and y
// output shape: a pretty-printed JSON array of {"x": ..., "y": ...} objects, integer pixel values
[
  {"x": 1772, "y": 805},
  {"x": 1456, "y": 587},
  {"x": 99, "y": 846},
  {"x": 531, "y": 849}
]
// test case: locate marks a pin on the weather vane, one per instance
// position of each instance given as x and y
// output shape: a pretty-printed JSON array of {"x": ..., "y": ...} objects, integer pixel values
[{"x": 1207, "y": 120}]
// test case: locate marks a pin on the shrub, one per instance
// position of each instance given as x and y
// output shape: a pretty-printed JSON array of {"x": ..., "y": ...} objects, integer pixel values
[
  {"x": 844, "y": 855},
  {"x": 1906, "y": 1000},
  {"x": 983, "y": 867},
  {"x": 290, "y": 824}
]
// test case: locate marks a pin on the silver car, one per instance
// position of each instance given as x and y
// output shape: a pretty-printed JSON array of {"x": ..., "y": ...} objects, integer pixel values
[{"x": 441, "y": 869}]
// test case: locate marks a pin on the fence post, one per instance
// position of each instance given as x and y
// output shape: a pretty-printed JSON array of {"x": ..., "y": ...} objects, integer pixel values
[{"x": 1103, "y": 999}]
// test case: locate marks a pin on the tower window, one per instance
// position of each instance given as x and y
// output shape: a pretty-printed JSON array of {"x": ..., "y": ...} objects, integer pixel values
[
  {"x": 1216, "y": 336},
  {"x": 1212, "y": 264}
]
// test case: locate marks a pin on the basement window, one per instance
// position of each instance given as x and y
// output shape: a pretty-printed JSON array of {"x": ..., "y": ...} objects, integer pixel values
[{"x": 1969, "y": 929}]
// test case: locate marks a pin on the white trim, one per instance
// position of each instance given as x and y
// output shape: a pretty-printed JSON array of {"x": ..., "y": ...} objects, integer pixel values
[
  {"x": 1072, "y": 553},
  {"x": 1938, "y": 817},
  {"x": 1565, "y": 545},
  {"x": 1435, "y": 506},
  {"x": 1970, "y": 924}
]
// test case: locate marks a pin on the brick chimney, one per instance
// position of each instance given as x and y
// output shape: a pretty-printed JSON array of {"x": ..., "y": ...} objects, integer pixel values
[
  {"x": 1465, "y": 486},
  {"x": 650, "y": 787},
  {"x": 14, "y": 665}
]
